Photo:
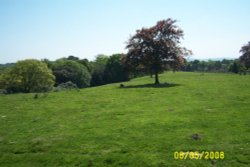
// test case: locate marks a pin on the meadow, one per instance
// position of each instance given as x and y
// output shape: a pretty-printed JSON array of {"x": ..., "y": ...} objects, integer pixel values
[{"x": 136, "y": 125}]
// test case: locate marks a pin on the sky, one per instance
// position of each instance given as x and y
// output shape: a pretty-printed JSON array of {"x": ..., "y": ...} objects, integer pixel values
[{"x": 58, "y": 28}]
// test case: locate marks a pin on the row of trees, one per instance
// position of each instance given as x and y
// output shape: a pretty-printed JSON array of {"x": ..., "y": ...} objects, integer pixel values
[
  {"x": 241, "y": 65},
  {"x": 38, "y": 76},
  {"x": 108, "y": 70},
  {"x": 34, "y": 75},
  {"x": 150, "y": 51},
  {"x": 224, "y": 65}
]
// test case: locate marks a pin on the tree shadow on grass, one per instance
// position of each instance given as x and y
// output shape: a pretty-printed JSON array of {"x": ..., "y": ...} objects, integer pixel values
[{"x": 162, "y": 85}]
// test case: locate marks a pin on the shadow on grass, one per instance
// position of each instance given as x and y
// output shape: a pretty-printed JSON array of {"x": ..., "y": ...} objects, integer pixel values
[{"x": 162, "y": 85}]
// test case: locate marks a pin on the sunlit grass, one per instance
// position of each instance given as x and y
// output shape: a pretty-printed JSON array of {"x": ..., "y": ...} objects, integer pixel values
[{"x": 138, "y": 125}]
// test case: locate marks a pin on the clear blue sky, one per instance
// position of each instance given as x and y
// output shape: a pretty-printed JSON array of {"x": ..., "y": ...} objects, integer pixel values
[{"x": 58, "y": 28}]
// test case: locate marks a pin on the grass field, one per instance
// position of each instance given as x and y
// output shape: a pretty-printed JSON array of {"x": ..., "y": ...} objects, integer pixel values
[{"x": 139, "y": 125}]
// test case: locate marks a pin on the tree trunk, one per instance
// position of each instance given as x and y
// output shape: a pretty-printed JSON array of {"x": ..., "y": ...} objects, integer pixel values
[{"x": 156, "y": 78}]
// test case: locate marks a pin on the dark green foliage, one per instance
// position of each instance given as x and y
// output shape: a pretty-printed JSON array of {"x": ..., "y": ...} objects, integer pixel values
[
  {"x": 114, "y": 70},
  {"x": 108, "y": 70},
  {"x": 208, "y": 66},
  {"x": 195, "y": 65},
  {"x": 242, "y": 70},
  {"x": 84, "y": 62},
  {"x": 103, "y": 70},
  {"x": 4, "y": 66},
  {"x": 235, "y": 67},
  {"x": 98, "y": 70},
  {"x": 87, "y": 64},
  {"x": 245, "y": 57},
  {"x": 98, "y": 75},
  {"x": 71, "y": 57},
  {"x": 69, "y": 70},
  {"x": 27, "y": 76}
]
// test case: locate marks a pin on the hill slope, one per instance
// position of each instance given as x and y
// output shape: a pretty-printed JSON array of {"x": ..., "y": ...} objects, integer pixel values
[{"x": 139, "y": 125}]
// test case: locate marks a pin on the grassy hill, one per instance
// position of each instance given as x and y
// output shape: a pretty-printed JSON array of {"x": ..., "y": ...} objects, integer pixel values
[{"x": 139, "y": 125}]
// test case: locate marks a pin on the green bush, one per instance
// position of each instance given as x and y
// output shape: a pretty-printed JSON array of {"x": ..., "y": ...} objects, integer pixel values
[
  {"x": 27, "y": 76},
  {"x": 69, "y": 70},
  {"x": 65, "y": 86},
  {"x": 3, "y": 91}
]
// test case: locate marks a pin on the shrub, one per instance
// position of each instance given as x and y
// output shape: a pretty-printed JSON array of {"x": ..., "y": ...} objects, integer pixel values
[
  {"x": 65, "y": 86},
  {"x": 69, "y": 70},
  {"x": 3, "y": 91},
  {"x": 27, "y": 76}
]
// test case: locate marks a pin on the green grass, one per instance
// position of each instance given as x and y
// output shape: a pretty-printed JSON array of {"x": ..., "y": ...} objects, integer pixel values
[{"x": 139, "y": 125}]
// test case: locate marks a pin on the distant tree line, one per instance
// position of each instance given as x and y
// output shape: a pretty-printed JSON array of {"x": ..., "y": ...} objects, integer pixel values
[
  {"x": 238, "y": 66},
  {"x": 225, "y": 65},
  {"x": 73, "y": 72},
  {"x": 40, "y": 76},
  {"x": 151, "y": 51}
]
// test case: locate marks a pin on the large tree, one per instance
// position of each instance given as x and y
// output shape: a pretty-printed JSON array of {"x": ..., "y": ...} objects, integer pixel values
[
  {"x": 245, "y": 57},
  {"x": 27, "y": 76},
  {"x": 156, "y": 48}
]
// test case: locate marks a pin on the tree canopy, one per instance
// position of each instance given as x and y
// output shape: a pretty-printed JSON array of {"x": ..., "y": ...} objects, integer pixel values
[
  {"x": 27, "y": 76},
  {"x": 156, "y": 48},
  {"x": 245, "y": 57},
  {"x": 70, "y": 70},
  {"x": 114, "y": 70},
  {"x": 99, "y": 65},
  {"x": 108, "y": 69}
]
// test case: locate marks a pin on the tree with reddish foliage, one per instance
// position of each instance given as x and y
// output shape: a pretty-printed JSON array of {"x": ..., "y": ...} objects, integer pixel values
[
  {"x": 245, "y": 57},
  {"x": 156, "y": 48}
]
